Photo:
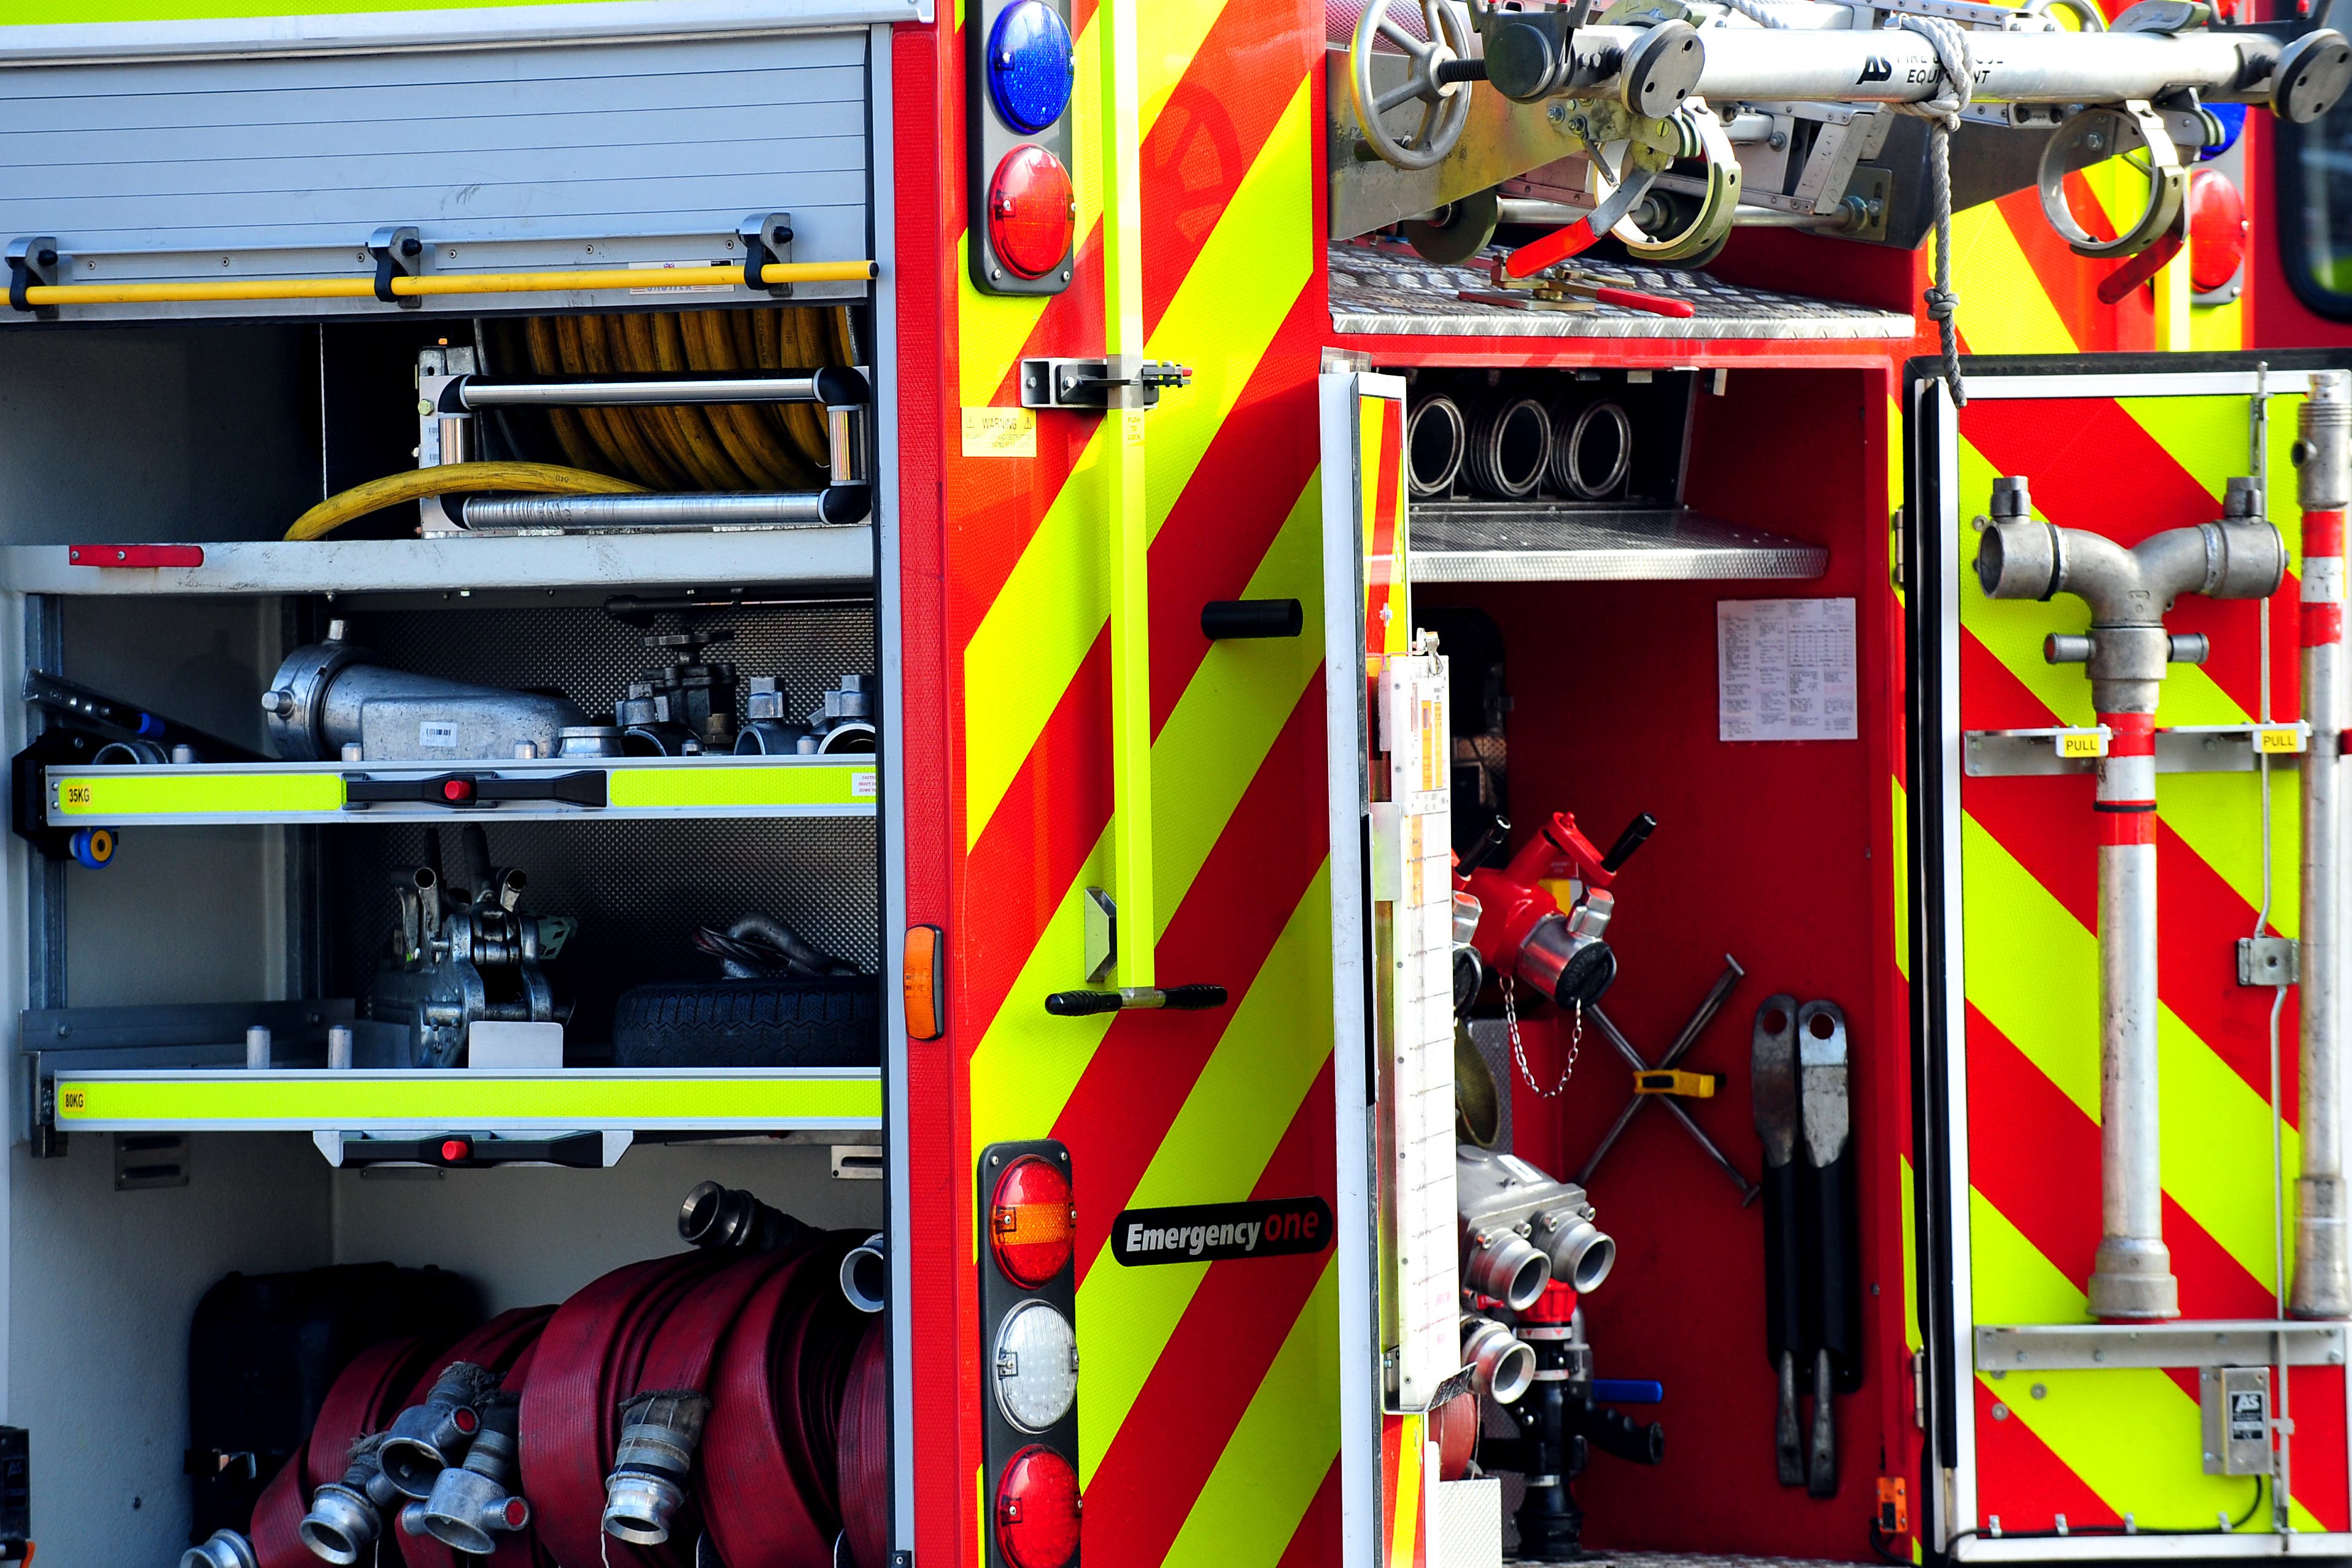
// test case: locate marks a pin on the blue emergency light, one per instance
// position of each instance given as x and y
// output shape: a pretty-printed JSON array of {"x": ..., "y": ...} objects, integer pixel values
[{"x": 1031, "y": 66}]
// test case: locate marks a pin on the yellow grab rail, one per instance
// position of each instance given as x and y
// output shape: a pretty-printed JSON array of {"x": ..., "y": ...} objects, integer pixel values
[{"x": 196, "y": 292}]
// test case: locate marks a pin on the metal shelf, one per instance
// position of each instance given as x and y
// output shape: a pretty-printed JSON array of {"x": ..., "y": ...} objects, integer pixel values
[
  {"x": 562, "y": 788},
  {"x": 831, "y": 556},
  {"x": 1384, "y": 288},
  {"x": 1490, "y": 541},
  {"x": 365, "y": 1102}
]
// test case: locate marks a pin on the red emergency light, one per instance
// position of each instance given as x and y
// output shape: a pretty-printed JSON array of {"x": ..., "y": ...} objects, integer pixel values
[
  {"x": 1032, "y": 214},
  {"x": 1031, "y": 1223},
  {"x": 1037, "y": 1509}
]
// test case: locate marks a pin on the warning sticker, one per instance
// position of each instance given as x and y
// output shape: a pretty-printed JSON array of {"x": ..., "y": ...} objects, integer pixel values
[{"x": 1000, "y": 433}]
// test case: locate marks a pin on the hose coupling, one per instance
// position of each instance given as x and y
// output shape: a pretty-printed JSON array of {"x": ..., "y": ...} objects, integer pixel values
[
  {"x": 716, "y": 1216},
  {"x": 866, "y": 1274},
  {"x": 1504, "y": 1266},
  {"x": 425, "y": 1439},
  {"x": 346, "y": 1517},
  {"x": 2323, "y": 447},
  {"x": 471, "y": 1501},
  {"x": 1502, "y": 1368},
  {"x": 659, "y": 1432},
  {"x": 1581, "y": 1253},
  {"x": 226, "y": 1548}
]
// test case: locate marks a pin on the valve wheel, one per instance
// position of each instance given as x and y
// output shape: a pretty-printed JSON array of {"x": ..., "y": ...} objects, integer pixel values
[{"x": 1444, "y": 103}]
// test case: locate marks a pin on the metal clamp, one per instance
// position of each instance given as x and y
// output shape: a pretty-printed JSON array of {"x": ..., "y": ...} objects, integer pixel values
[
  {"x": 1135, "y": 999},
  {"x": 2106, "y": 132},
  {"x": 1122, "y": 381},
  {"x": 399, "y": 252},
  {"x": 32, "y": 260},
  {"x": 767, "y": 237},
  {"x": 1710, "y": 223}
]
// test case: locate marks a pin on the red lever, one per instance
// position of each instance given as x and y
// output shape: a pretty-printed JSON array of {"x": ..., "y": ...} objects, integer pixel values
[
  {"x": 1655, "y": 304},
  {"x": 1556, "y": 246},
  {"x": 2116, "y": 285}
]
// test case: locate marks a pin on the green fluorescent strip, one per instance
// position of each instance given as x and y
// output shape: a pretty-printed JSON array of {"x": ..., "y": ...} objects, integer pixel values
[
  {"x": 117, "y": 798},
  {"x": 754, "y": 784},
  {"x": 454, "y": 1099}
]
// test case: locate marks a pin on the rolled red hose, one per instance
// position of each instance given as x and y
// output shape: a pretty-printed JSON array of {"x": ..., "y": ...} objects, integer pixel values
[
  {"x": 865, "y": 1450},
  {"x": 497, "y": 1345}
]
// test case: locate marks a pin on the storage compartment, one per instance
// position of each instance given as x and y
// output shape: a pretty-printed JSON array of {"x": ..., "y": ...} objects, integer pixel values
[{"x": 1607, "y": 681}]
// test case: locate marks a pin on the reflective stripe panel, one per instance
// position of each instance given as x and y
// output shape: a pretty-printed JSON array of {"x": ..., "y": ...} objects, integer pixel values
[
  {"x": 754, "y": 784},
  {"x": 353, "y": 1102},
  {"x": 119, "y": 798}
]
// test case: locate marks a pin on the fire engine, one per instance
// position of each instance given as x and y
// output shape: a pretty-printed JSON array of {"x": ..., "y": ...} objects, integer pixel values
[{"x": 909, "y": 784}]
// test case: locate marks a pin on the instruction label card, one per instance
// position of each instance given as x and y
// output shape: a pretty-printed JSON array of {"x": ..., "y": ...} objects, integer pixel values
[
  {"x": 1784, "y": 669},
  {"x": 1000, "y": 433}
]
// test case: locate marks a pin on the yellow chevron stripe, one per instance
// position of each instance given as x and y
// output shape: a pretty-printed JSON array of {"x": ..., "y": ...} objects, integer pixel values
[
  {"x": 2003, "y": 308},
  {"x": 2032, "y": 971},
  {"x": 1246, "y": 1098},
  {"x": 2131, "y": 1434},
  {"x": 1912, "y": 1339},
  {"x": 1057, "y": 600},
  {"x": 1278, "y": 1454},
  {"x": 992, "y": 330},
  {"x": 1211, "y": 748},
  {"x": 1901, "y": 867}
]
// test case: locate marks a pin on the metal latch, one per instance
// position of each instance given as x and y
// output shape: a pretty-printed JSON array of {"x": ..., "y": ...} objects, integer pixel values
[
  {"x": 32, "y": 260},
  {"x": 1121, "y": 382},
  {"x": 1678, "y": 1081},
  {"x": 2269, "y": 961},
  {"x": 399, "y": 252}
]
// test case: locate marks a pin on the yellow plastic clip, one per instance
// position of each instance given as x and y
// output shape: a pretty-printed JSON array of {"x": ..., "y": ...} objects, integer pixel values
[{"x": 1678, "y": 1081}]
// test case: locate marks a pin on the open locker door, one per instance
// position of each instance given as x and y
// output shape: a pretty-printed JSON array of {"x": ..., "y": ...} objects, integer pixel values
[
  {"x": 1391, "y": 893},
  {"x": 2101, "y": 915}
]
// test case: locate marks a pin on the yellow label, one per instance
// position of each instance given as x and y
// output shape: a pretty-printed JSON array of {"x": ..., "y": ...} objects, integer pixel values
[
  {"x": 2278, "y": 740},
  {"x": 2082, "y": 743},
  {"x": 71, "y": 1100},
  {"x": 463, "y": 1099},
  {"x": 1132, "y": 425},
  {"x": 1000, "y": 433}
]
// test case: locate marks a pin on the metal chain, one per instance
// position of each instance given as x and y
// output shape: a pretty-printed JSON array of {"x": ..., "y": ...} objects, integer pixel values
[{"x": 1519, "y": 1048}]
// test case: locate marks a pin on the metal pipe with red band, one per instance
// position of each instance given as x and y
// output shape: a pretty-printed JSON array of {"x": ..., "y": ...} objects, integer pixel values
[
  {"x": 2125, "y": 654},
  {"x": 2323, "y": 1282}
]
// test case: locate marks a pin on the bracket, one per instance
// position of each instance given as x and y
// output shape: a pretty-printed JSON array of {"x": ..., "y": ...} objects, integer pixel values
[
  {"x": 2269, "y": 961},
  {"x": 1122, "y": 381},
  {"x": 767, "y": 237},
  {"x": 580, "y": 1150},
  {"x": 1101, "y": 916},
  {"x": 399, "y": 252},
  {"x": 2038, "y": 1347},
  {"x": 2180, "y": 748},
  {"x": 32, "y": 260}
]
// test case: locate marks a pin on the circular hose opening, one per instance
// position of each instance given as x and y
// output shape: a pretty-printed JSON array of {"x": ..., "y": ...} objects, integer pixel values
[
  {"x": 1514, "y": 1374},
  {"x": 1510, "y": 447},
  {"x": 1592, "y": 459},
  {"x": 1435, "y": 439},
  {"x": 328, "y": 1542},
  {"x": 866, "y": 1278},
  {"x": 1591, "y": 1262},
  {"x": 698, "y": 1217}
]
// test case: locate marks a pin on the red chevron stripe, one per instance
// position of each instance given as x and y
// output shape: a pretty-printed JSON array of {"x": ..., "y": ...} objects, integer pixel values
[
  {"x": 2315, "y": 1401},
  {"x": 1316, "y": 1542},
  {"x": 1138, "y": 1078},
  {"x": 2035, "y": 1156},
  {"x": 2020, "y": 1481},
  {"x": 1220, "y": 528},
  {"x": 2072, "y": 282},
  {"x": 1176, "y": 1431},
  {"x": 2048, "y": 825}
]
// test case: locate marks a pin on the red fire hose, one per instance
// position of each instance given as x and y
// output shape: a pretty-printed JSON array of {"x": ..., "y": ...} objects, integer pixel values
[{"x": 794, "y": 1451}]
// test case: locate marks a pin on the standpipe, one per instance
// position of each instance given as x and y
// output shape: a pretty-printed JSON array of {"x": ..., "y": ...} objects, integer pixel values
[
  {"x": 2323, "y": 1286},
  {"x": 2125, "y": 654}
]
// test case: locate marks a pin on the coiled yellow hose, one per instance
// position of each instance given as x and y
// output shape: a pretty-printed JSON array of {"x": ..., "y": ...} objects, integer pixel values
[{"x": 451, "y": 479}]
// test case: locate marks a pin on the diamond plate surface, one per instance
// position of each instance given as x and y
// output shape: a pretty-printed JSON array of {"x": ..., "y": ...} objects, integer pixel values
[{"x": 1386, "y": 289}]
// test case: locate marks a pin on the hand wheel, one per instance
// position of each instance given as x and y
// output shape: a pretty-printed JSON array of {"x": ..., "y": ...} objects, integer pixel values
[{"x": 1441, "y": 72}]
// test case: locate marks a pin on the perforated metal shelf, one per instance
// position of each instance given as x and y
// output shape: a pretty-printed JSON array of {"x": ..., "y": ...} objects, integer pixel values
[
  {"x": 1384, "y": 288},
  {"x": 1486, "y": 541}
]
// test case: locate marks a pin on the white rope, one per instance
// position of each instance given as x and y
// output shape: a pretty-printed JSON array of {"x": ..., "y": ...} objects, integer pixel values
[{"x": 1942, "y": 113}]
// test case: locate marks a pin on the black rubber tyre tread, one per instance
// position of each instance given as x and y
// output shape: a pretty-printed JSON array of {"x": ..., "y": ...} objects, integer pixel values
[{"x": 836, "y": 1021}]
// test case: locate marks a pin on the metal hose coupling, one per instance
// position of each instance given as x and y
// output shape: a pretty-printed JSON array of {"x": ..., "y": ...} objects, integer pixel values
[
  {"x": 1581, "y": 1253},
  {"x": 1503, "y": 1265},
  {"x": 866, "y": 1274},
  {"x": 716, "y": 1216},
  {"x": 659, "y": 1432},
  {"x": 425, "y": 1439},
  {"x": 226, "y": 1548},
  {"x": 347, "y": 1516},
  {"x": 471, "y": 1501},
  {"x": 1501, "y": 1367}
]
